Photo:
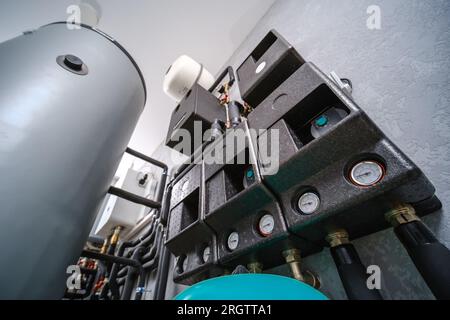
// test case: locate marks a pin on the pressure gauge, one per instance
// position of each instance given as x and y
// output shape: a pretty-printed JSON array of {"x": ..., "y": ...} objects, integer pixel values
[
  {"x": 185, "y": 264},
  {"x": 185, "y": 186},
  {"x": 266, "y": 225},
  {"x": 367, "y": 173},
  {"x": 206, "y": 254},
  {"x": 308, "y": 203},
  {"x": 233, "y": 241}
]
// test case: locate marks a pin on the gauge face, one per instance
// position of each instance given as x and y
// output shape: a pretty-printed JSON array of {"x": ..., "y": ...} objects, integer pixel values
[
  {"x": 185, "y": 264},
  {"x": 233, "y": 241},
  {"x": 185, "y": 186},
  {"x": 266, "y": 225},
  {"x": 367, "y": 173},
  {"x": 206, "y": 254},
  {"x": 308, "y": 203}
]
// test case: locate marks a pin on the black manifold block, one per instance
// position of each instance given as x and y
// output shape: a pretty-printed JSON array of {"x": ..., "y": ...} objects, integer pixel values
[
  {"x": 189, "y": 238},
  {"x": 198, "y": 108},
  {"x": 335, "y": 169},
  {"x": 329, "y": 148},
  {"x": 235, "y": 201},
  {"x": 270, "y": 63}
]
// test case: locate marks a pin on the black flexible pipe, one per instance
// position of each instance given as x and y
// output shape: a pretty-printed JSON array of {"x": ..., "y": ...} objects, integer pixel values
[
  {"x": 131, "y": 276},
  {"x": 141, "y": 284},
  {"x": 432, "y": 258},
  {"x": 353, "y": 273},
  {"x": 122, "y": 272},
  {"x": 109, "y": 258},
  {"x": 153, "y": 263},
  {"x": 133, "y": 198},
  {"x": 114, "y": 271},
  {"x": 163, "y": 273},
  {"x": 147, "y": 159}
]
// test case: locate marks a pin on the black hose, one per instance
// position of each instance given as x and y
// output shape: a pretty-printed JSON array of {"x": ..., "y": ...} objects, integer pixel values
[
  {"x": 431, "y": 258},
  {"x": 163, "y": 273},
  {"x": 353, "y": 273},
  {"x": 109, "y": 258},
  {"x": 114, "y": 271},
  {"x": 131, "y": 276},
  {"x": 134, "y": 198}
]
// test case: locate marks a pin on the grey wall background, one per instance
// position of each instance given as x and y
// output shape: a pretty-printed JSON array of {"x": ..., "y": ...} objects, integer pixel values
[{"x": 400, "y": 76}]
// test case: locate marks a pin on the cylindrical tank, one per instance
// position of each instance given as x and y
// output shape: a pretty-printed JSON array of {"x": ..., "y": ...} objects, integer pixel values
[{"x": 69, "y": 102}]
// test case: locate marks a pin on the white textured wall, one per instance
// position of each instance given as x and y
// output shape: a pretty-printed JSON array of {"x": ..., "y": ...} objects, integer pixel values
[{"x": 400, "y": 78}]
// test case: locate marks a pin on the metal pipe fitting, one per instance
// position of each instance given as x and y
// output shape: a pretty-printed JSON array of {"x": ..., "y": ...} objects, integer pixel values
[
  {"x": 337, "y": 237},
  {"x": 255, "y": 267},
  {"x": 401, "y": 214}
]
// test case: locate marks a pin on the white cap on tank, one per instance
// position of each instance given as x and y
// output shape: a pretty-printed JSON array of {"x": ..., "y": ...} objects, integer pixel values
[{"x": 182, "y": 75}]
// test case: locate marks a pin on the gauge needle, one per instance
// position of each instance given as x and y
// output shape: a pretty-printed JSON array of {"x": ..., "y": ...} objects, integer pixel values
[{"x": 364, "y": 174}]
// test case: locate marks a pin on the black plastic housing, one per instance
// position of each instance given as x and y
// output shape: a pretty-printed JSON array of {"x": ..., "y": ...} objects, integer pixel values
[
  {"x": 199, "y": 105},
  {"x": 230, "y": 206},
  {"x": 321, "y": 164},
  {"x": 280, "y": 60},
  {"x": 187, "y": 234}
]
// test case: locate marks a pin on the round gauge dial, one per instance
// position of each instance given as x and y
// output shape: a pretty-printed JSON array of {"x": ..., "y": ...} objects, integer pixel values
[
  {"x": 367, "y": 173},
  {"x": 206, "y": 254},
  {"x": 308, "y": 203},
  {"x": 266, "y": 225},
  {"x": 233, "y": 241},
  {"x": 185, "y": 186}
]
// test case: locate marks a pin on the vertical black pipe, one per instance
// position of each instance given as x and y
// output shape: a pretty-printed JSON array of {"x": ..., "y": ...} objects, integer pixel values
[
  {"x": 132, "y": 274},
  {"x": 353, "y": 273},
  {"x": 431, "y": 258}
]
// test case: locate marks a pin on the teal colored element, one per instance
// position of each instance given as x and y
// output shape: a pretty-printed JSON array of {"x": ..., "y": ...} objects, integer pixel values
[
  {"x": 250, "y": 173},
  {"x": 321, "y": 121},
  {"x": 251, "y": 287}
]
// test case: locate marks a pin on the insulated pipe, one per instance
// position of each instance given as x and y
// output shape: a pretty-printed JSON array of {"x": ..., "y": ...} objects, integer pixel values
[
  {"x": 114, "y": 271},
  {"x": 351, "y": 270},
  {"x": 163, "y": 273},
  {"x": 431, "y": 258},
  {"x": 153, "y": 263},
  {"x": 110, "y": 258},
  {"x": 133, "y": 197},
  {"x": 131, "y": 276}
]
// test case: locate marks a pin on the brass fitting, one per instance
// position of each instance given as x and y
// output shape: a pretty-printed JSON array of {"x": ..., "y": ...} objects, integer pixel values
[
  {"x": 105, "y": 246},
  {"x": 337, "y": 238},
  {"x": 115, "y": 235},
  {"x": 293, "y": 258},
  {"x": 255, "y": 267},
  {"x": 401, "y": 213}
]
